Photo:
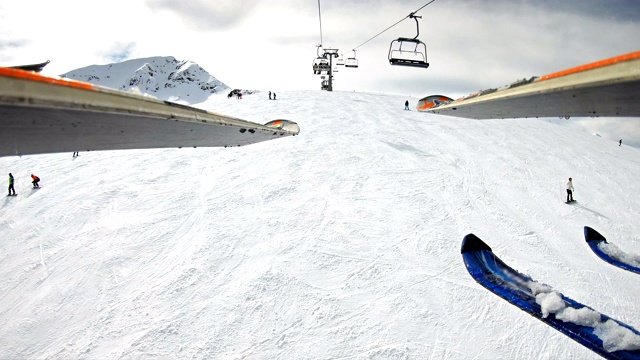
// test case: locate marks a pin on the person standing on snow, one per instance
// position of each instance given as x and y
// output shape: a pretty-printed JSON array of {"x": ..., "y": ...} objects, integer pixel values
[
  {"x": 406, "y": 105},
  {"x": 620, "y": 143},
  {"x": 570, "y": 191},
  {"x": 11, "y": 185},
  {"x": 35, "y": 181}
]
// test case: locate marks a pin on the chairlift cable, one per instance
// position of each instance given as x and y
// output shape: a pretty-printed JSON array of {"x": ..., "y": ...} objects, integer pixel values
[
  {"x": 380, "y": 33},
  {"x": 320, "y": 18}
]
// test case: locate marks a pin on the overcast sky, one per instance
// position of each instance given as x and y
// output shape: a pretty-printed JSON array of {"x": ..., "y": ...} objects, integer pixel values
[{"x": 270, "y": 45}]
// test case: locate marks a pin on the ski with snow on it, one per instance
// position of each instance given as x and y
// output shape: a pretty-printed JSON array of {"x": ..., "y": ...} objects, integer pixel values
[
  {"x": 594, "y": 330},
  {"x": 609, "y": 252}
]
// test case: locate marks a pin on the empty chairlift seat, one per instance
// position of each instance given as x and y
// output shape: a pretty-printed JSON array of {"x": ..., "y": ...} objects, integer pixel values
[
  {"x": 408, "y": 52},
  {"x": 351, "y": 63}
]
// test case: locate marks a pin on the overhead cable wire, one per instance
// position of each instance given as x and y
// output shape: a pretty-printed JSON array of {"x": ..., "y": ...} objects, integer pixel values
[
  {"x": 401, "y": 20},
  {"x": 320, "y": 18}
]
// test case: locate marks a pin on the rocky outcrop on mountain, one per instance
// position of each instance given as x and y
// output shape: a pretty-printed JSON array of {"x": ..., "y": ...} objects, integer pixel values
[{"x": 162, "y": 77}]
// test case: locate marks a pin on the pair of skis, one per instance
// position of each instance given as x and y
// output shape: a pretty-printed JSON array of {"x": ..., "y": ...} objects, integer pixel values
[{"x": 607, "y": 337}]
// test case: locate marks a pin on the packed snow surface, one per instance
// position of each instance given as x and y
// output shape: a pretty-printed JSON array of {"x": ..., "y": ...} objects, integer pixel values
[
  {"x": 613, "y": 335},
  {"x": 340, "y": 243},
  {"x": 613, "y": 251}
]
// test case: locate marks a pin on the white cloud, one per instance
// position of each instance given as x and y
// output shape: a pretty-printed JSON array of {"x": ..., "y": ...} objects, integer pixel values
[{"x": 259, "y": 44}]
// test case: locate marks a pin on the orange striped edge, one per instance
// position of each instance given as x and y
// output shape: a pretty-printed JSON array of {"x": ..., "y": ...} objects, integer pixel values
[
  {"x": 428, "y": 105},
  {"x": 32, "y": 76},
  {"x": 597, "y": 64}
]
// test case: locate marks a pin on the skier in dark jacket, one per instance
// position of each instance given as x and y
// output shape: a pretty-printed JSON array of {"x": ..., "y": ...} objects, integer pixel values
[
  {"x": 406, "y": 105},
  {"x": 11, "y": 189}
]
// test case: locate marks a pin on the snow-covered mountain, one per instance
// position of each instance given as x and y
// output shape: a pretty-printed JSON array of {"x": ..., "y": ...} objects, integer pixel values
[
  {"x": 340, "y": 243},
  {"x": 162, "y": 77}
]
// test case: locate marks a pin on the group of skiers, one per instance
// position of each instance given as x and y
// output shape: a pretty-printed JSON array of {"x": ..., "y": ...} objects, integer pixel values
[
  {"x": 274, "y": 96},
  {"x": 12, "y": 190}
]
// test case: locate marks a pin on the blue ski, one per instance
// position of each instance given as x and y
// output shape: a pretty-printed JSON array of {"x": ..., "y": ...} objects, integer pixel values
[
  {"x": 605, "y": 336},
  {"x": 609, "y": 252}
]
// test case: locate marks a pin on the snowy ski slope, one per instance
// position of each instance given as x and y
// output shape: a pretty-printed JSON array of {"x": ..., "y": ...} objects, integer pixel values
[{"x": 340, "y": 243}]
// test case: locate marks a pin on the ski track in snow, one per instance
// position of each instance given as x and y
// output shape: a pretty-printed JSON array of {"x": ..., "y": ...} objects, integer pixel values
[{"x": 342, "y": 242}]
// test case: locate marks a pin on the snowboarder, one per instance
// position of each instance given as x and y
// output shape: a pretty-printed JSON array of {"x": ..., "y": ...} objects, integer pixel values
[
  {"x": 570, "y": 191},
  {"x": 406, "y": 105},
  {"x": 35, "y": 181},
  {"x": 620, "y": 142},
  {"x": 11, "y": 189},
  {"x": 269, "y": 95}
]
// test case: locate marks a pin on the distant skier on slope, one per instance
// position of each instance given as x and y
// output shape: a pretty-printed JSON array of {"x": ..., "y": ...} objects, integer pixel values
[
  {"x": 11, "y": 188},
  {"x": 570, "y": 191},
  {"x": 35, "y": 181},
  {"x": 620, "y": 142},
  {"x": 406, "y": 105}
]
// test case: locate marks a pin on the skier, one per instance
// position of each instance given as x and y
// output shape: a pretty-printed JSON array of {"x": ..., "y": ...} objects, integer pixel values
[
  {"x": 11, "y": 189},
  {"x": 620, "y": 142},
  {"x": 35, "y": 181},
  {"x": 406, "y": 105},
  {"x": 75, "y": 153},
  {"x": 269, "y": 95},
  {"x": 274, "y": 96},
  {"x": 570, "y": 191}
]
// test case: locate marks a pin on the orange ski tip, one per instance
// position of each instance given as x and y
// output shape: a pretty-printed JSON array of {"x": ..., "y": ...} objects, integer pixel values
[
  {"x": 616, "y": 59},
  {"x": 32, "y": 76}
]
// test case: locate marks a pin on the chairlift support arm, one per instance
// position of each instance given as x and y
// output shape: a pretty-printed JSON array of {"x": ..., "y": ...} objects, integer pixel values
[{"x": 412, "y": 16}]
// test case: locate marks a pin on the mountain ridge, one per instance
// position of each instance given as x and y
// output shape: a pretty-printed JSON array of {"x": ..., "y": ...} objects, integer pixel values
[{"x": 163, "y": 77}]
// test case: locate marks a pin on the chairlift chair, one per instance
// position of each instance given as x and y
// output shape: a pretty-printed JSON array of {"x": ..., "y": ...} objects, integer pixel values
[
  {"x": 408, "y": 52},
  {"x": 351, "y": 62},
  {"x": 400, "y": 52},
  {"x": 320, "y": 65},
  {"x": 340, "y": 61}
]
